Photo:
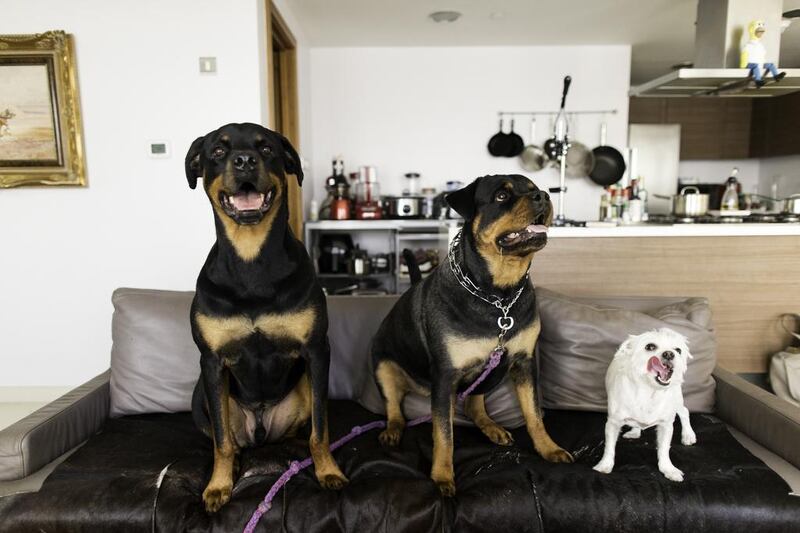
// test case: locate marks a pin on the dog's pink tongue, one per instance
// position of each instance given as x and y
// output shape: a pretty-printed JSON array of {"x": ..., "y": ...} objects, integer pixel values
[
  {"x": 245, "y": 201},
  {"x": 536, "y": 228},
  {"x": 654, "y": 364}
]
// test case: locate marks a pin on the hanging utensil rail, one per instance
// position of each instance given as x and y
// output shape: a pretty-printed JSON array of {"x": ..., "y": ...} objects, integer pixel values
[{"x": 501, "y": 114}]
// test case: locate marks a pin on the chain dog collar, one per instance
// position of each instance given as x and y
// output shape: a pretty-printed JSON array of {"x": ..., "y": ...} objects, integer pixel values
[{"x": 505, "y": 322}]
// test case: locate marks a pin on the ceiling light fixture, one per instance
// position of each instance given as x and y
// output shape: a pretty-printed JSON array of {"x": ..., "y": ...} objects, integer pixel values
[{"x": 445, "y": 17}]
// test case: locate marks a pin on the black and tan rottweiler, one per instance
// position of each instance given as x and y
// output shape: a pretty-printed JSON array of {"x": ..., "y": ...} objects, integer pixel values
[
  {"x": 438, "y": 337},
  {"x": 259, "y": 316}
]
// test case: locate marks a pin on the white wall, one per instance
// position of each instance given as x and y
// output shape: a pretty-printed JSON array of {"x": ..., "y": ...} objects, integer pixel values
[
  {"x": 717, "y": 171},
  {"x": 784, "y": 172},
  {"x": 432, "y": 110},
  {"x": 137, "y": 224}
]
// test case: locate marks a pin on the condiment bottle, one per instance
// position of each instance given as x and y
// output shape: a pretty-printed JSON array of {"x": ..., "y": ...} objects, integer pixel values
[{"x": 730, "y": 200}]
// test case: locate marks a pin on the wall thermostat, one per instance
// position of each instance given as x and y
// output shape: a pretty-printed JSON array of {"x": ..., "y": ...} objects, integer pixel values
[
  {"x": 208, "y": 65},
  {"x": 158, "y": 149}
]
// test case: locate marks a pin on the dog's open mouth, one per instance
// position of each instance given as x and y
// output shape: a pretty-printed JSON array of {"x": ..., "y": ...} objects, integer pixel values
[
  {"x": 247, "y": 206},
  {"x": 662, "y": 369},
  {"x": 534, "y": 235}
]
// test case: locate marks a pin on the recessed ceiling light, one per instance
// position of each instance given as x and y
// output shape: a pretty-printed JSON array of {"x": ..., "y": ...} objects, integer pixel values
[{"x": 445, "y": 16}]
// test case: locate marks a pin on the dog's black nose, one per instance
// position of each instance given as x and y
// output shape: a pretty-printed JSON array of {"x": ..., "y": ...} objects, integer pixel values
[
  {"x": 244, "y": 162},
  {"x": 669, "y": 356},
  {"x": 540, "y": 197}
]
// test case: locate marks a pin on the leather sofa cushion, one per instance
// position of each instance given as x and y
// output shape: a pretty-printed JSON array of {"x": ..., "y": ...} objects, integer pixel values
[{"x": 111, "y": 483}]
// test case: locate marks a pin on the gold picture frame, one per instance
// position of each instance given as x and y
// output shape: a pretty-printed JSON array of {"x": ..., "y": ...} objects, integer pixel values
[{"x": 41, "y": 139}]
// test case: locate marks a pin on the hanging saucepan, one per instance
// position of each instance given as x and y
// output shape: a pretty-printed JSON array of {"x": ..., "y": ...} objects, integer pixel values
[
  {"x": 580, "y": 160},
  {"x": 499, "y": 144},
  {"x": 517, "y": 144},
  {"x": 609, "y": 165},
  {"x": 532, "y": 157}
]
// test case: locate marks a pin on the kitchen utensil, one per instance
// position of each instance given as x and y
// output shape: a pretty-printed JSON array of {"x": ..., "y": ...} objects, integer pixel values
[
  {"x": 730, "y": 200},
  {"x": 341, "y": 205},
  {"x": 609, "y": 165},
  {"x": 688, "y": 205},
  {"x": 561, "y": 136},
  {"x": 516, "y": 143},
  {"x": 791, "y": 205},
  {"x": 334, "y": 250},
  {"x": 413, "y": 184},
  {"x": 368, "y": 194},
  {"x": 404, "y": 206},
  {"x": 580, "y": 160},
  {"x": 359, "y": 263},
  {"x": 500, "y": 143},
  {"x": 533, "y": 157}
]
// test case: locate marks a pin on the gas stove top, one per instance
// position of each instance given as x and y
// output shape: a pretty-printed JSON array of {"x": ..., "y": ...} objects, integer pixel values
[{"x": 757, "y": 218}]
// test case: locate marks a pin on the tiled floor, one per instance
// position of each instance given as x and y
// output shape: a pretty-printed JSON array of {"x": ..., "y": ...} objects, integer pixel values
[{"x": 10, "y": 412}]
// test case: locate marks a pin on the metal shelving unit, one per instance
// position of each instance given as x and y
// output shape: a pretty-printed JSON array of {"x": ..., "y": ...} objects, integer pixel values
[{"x": 397, "y": 235}]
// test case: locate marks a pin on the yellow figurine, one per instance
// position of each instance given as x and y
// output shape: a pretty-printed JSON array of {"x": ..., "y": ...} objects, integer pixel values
[{"x": 754, "y": 55}]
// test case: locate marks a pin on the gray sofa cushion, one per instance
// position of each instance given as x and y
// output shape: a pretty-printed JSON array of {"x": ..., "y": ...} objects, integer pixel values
[
  {"x": 580, "y": 336},
  {"x": 154, "y": 361}
]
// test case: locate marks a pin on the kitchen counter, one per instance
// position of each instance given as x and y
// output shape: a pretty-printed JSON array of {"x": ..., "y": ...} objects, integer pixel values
[
  {"x": 681, "y": 230},
  {"x": 639, "y": 230}
]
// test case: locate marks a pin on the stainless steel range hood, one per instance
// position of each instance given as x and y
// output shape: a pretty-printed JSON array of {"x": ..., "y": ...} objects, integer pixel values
[
  {"x": 716, "y": 82},
  {"x": 718, "y": 39}
]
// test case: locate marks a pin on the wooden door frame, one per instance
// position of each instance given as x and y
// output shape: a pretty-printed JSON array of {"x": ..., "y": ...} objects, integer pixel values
[{"x": 278, "y": 30}]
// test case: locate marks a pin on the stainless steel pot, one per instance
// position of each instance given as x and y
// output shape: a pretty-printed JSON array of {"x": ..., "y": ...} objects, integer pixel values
[
  {"x": 694, "y": 204},
  {"x": 405, "y": 206},
  {"x": 791, "y": 205}
]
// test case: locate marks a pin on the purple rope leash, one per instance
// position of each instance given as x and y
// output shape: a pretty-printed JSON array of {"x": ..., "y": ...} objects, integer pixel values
[{"x": 295, "y": 466}]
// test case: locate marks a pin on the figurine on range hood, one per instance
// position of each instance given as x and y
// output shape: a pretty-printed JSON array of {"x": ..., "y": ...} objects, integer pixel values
[{"x": 754, "y": 55}]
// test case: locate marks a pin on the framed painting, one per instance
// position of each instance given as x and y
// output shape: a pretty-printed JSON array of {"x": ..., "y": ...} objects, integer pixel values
[{"x": 41, "y": 139}]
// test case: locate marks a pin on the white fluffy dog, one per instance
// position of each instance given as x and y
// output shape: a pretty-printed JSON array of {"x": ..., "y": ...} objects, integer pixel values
[{"x": 643, "y": 383}]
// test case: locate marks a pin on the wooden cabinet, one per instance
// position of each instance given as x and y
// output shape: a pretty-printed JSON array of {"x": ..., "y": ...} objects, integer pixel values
[
  {"x": 775, "y": 130},
  {"x": 711, "y": 128},
  {"x": 726, "y": 128}
]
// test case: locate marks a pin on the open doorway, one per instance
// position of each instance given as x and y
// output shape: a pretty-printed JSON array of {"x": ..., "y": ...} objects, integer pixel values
[{"x": 283, "y": 111}]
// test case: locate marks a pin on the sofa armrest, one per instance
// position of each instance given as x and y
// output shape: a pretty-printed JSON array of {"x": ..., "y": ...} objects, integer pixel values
[
  {"x": 39, "y": 438},
  {"x": 772, "y": 422}
]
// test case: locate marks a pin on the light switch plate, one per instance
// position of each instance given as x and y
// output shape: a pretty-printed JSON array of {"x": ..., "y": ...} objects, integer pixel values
[
  {"x": 208, "y": 65},
  {"x": 158, "y": 149}
]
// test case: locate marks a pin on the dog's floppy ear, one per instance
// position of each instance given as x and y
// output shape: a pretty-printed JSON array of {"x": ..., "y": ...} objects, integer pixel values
[
  {"x": 626, "y": 348},
  {"x": 291, "y": 161},
  {"x": 463, "y": 200},
  {"x": 192, "y": 162}
]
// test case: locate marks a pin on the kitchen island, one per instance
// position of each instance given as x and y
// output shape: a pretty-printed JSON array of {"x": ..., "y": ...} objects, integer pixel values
[{"x": 749, "y": 272}]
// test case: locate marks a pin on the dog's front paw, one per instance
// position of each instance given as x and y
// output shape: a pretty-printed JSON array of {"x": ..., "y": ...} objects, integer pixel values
[
  {"x": 390, "y": 436},
  {"x": 498, "y": 435},
  {"x": 604, "y": 467},
  {"x": 671, "y": 473},
  {"x": 633, "y": 433},
  {"x": 333, "y": 481},
  {"x": 558, "y": 455},
  {"x": 217, "y": 496},
  {"x": 688, "y": 438},
  {"x": 446, "y": 486}
]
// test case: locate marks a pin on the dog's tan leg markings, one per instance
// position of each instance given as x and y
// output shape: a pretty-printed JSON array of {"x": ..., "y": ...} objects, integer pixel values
[
  {"x": 475, "y": 407},
  {"x": 394, "y": 387},
  {"x": 541, "y": 439},
  {"x": 326, "y": 469},
  {"x": 442, "y": 468},
  {"x": 219, "y": 488},
  {"x": 247, "y": 240},
  {"x": 217, "y": 332}
]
